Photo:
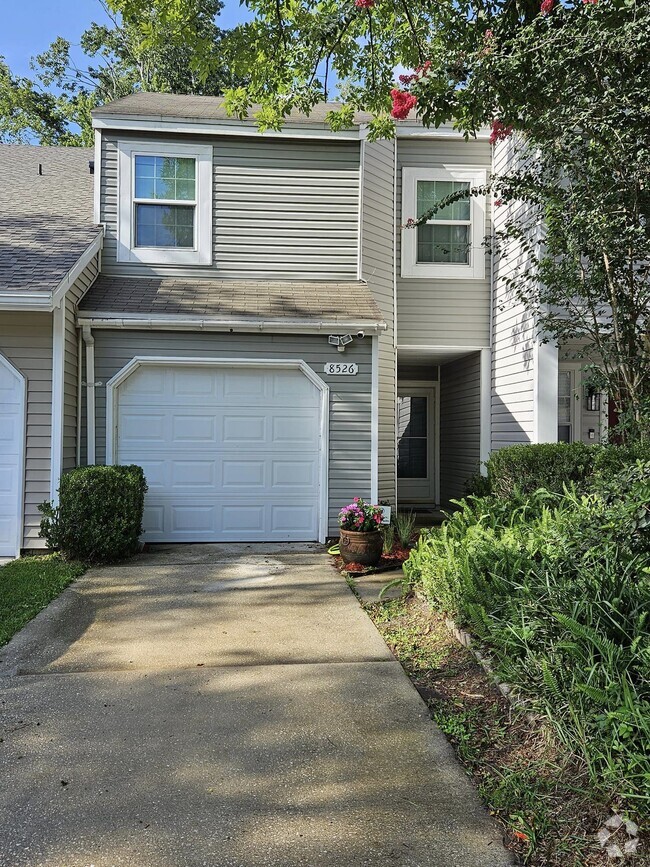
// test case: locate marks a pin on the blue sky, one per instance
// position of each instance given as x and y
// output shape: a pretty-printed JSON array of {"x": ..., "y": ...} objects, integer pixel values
[{"x": 29, "y": 26}]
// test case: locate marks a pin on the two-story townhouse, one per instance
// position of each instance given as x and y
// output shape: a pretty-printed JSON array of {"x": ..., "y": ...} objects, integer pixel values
[{"x": 265, "y": 337}]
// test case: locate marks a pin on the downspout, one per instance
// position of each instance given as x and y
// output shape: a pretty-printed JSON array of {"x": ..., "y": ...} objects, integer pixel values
[
  {"x": 79, "y": 396},
  {"x": 89, "y": 340}
]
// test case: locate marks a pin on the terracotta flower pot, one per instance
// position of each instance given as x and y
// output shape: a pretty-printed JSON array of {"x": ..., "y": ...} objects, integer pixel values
[{"x": 364, "y": 548}]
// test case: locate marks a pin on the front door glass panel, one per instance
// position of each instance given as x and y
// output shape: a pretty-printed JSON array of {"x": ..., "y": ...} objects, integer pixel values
[{"x": 412, "y": 448}]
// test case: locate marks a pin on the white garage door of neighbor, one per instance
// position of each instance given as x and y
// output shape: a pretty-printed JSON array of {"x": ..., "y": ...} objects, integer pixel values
[
  {"x": 230, "y": 454},
  {"x": 12, "y": 435}
]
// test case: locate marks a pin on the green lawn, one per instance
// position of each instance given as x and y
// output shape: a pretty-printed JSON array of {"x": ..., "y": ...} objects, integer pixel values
[{"x": 28, "y": 585}]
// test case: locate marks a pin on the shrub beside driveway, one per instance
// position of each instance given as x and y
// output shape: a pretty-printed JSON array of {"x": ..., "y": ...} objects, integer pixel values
[{"x": 28, "y": 585}]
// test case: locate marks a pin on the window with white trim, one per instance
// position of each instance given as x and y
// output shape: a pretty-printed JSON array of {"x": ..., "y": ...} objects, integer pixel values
[
  {"x": 165, "y": 207},
  {"x": 450, "y": 244}
]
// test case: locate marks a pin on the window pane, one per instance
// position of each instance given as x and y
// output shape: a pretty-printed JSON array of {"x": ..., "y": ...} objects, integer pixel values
[
  {"x": 443, "y": 244},
  {"x": 164, "y": 226},
  {"x": 430, "y": 192},
  {"x": 165, "y": 177},
  {"x": 564, "y": 397},
  {"x": 412, "y": 458},
  {"x": 411, "y": 417}
]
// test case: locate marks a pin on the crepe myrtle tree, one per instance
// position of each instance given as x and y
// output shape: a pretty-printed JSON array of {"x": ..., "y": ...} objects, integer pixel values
[{"x": 567, "y": 79}]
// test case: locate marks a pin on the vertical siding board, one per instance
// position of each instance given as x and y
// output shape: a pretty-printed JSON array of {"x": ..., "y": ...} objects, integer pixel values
[
  {"x": 460, "y": 424},
  {"x": 70, "y": 384},
  {"x": 378, "y": 225},
  {"x": 26, "y": 340},
  {"x": 442, "y": 312},
  {"x": 282, "y": 209},
  {"x": 350, "y": 406},
  {"x": 513, "y": 356}
]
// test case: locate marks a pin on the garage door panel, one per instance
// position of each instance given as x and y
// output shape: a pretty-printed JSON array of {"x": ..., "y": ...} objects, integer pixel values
[
  {"x": 12, "y": 443},
  {"x": 240, "y": 383},
  {"x": 294, "y": 428},
  {"x": 235, "y": 457},
  {"x": 148, "y": 386},
  {"x": 192, "y": 518},
  {"x": 142, "y": 427},
  {"x": 239, "y": 475},
  {"x": 190, "y": 383},
  {"x": 153, "y": 521},
  {"x": 294, "y": 473},
  {"x": 245, "y": 429},
  {"x": 193, "y": 428}
]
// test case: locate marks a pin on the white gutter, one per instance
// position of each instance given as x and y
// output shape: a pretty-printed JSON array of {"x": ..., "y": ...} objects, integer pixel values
[
  {"x": 89, "y": 340},
  {"x": 199, "y": 126},
  {"x": 188, "y": 126},
  {"x": 26, "y": 301},
  {"x": 162, "y": 322}
]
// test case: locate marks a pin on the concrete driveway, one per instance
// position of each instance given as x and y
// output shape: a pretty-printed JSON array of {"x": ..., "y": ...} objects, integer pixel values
[{"x": 220, "y": 705}]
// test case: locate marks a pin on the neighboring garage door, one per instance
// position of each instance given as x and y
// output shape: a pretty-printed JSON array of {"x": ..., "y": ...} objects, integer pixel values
[
  {"x": 230, "y": 453},
  {"x": 12, "y": 442}
]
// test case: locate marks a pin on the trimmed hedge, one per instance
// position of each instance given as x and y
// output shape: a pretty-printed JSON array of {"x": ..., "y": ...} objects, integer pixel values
[
  {"x": 99, "y": 516},
  {"x": 517, "y": 471}
]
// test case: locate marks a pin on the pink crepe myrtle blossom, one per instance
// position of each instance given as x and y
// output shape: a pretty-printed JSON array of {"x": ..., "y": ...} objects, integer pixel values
[
  {"x": 498, "y": 203},
  {"x": 547, "y": 7},
  {"x": 500, "y": 131},
  {"x": 402, "y": 103},
  {"x": 364, "y": 4}
]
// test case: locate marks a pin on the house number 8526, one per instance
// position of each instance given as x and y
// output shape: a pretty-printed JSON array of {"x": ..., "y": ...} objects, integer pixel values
[{"x": 341, "y": 368}]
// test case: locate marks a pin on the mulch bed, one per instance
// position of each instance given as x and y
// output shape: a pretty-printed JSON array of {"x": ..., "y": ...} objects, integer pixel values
[{"x": 389, "y": 562}]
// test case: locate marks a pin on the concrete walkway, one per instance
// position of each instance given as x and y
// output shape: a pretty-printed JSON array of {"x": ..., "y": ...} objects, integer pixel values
[{"x": 223, "y": 705}]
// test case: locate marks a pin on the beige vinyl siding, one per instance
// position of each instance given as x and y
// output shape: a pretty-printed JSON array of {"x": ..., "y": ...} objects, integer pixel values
[
  {"x": 378, "y": 221},
  {"x": 514, "y": 354},
  {"x": 350, "y": 407},
  {"x": 282, "y": 209},
  {"x": 444, "y": 312},
  {"x": 26, "y": 340},
  {"x": 460, "y": 424},
  {"x": 70, "y": 362}
]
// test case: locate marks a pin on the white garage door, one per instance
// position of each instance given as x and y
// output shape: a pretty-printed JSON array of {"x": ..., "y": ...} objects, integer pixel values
[
  {"x": 230, "y": 454},
  {"x": 12, "y": 436}
]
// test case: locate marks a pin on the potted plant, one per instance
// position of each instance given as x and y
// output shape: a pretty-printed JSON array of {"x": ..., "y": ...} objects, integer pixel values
[{"x": 361, "y": 541}]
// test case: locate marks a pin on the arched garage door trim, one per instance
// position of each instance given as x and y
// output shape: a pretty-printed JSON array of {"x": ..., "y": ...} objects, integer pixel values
[
  {"x": 21, "y": 437},
  {"x": 277, "y": 364}
]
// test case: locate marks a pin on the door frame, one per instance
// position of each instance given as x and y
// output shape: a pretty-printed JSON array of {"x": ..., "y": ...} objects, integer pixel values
[
  {"x": 433, "y": 387},
  {"x": 22, "y": 457},
  {"x": 577, "y": 405},
  {"x": 201, "y": 361}
]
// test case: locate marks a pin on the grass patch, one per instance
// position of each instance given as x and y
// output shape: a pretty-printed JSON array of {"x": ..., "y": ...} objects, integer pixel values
[
  {"x": 529, "y": 782},
  {"x": 28, "y": 585}
]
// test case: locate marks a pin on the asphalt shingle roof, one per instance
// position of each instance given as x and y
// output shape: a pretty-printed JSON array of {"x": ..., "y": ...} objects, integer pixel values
[
  {"x": 168, "y": 106},
  {"x": 45, "y": 218},
  {"x": 341, "y": 302}
]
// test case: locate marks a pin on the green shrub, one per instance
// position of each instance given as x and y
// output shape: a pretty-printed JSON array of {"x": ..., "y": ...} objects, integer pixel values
[
  {"x": 557, "y": 586},
  {"x": 611, "y": 459},
  {"x": 522, "y": 469},
  {"x": 99, "y": 516}
]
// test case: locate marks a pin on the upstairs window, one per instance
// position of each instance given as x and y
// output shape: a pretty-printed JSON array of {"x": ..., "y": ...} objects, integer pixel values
[
  {"x": 450, "y": 243},
  {"x": 165, "y": 203}
]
